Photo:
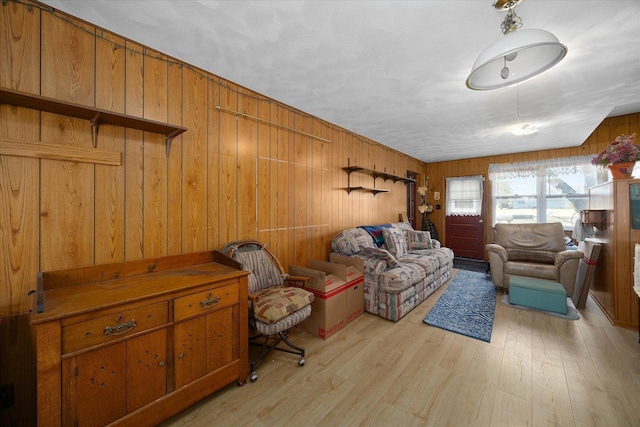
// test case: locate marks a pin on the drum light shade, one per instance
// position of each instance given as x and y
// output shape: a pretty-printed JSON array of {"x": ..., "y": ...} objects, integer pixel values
[{"x": 515, "y": 58}]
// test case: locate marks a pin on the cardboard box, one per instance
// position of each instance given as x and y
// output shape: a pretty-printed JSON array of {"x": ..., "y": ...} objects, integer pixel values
[
  {"x": 355, "y": 284},
  {"x": 336, "y": 288}
]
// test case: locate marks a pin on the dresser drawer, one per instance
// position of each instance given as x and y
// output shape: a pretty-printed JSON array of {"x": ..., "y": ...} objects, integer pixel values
[
  {"x": 106, "y": 328},
  {"x": 208, "y": 300}
]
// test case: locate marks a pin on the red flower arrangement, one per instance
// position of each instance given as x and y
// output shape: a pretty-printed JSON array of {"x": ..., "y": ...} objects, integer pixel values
[{"x": 622, "y": 149}]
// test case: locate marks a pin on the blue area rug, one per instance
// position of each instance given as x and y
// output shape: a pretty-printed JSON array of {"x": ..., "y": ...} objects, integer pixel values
[{"x": 466, "y": 306}]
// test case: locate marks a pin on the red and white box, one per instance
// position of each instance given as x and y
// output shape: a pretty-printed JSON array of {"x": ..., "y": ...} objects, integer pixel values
[{"x": 339, "y": 296}]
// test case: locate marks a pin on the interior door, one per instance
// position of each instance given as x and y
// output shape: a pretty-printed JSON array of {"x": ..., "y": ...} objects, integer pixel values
[
  {"x": 464, "y": 220},
  {"x": 465, "y": 236}
]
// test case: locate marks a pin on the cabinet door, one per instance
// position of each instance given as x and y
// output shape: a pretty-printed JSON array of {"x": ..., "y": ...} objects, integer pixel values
[
  {"x": 222, "y": 337},
  {"x": 190, "y": 350},
  {"x": 94, "y": 387},
  {"x": 146, "y": 369}
]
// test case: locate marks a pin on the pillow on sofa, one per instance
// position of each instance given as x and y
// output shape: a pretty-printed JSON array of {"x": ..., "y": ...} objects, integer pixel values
[
  {"x": 418, "y": 239},
  {"x": 380, "y": 254},
  {"x": 395, "y": 241}
]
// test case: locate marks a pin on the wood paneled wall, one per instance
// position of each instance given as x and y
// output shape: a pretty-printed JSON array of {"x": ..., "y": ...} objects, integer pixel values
[
  {"x": 437, "y": 172},
  {"x": 228, "y": 177}
]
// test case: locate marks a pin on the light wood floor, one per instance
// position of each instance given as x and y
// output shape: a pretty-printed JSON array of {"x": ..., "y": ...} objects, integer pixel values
[{"x": 538, "y": 370}]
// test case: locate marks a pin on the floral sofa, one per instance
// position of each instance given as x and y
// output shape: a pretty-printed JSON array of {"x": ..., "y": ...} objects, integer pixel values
[{"x": 402, "y": 266}]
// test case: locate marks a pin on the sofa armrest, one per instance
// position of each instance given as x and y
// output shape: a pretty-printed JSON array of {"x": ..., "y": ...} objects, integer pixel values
[
  {"x": 435, "y": 244},
  {"x": 564, "y": 256},
  {"x": 498, "y": 250}
]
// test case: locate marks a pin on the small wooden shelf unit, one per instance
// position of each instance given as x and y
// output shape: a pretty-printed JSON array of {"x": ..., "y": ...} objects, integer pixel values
[
  {"x": 375, "y": 174},
  {"x": 135, "y": 342}
]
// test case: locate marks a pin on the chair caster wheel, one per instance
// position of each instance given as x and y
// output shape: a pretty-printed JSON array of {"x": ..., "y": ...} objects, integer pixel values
[
  {"x": 253, "y": 377},
  {"x": 301, "y": 361}
]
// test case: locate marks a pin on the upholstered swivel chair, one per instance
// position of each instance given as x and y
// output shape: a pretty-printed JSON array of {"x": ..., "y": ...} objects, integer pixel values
[{"x": 274, "y": 304}]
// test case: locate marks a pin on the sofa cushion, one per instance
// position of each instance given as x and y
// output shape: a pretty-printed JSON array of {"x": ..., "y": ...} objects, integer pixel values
[
  {"x": 348, "y": 242},
  {"x": 380, "y": 253},
  {"x": 429, "y": 263},
  {"x": 418, "y": 239},
  {"x": 542, "y": 257},
  {"x": 395, "y": 241},
  {"x": 400, "y": 278}
]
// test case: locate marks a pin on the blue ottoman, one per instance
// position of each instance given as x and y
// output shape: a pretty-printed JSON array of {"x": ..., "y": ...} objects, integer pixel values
[{"x": 542, "y": 294}]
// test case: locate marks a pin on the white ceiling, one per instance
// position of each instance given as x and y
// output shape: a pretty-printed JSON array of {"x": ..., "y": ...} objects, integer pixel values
[{"x": 394, "y": 71}]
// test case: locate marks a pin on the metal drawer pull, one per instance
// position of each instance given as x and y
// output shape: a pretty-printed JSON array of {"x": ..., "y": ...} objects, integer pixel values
[
  {"x": 120, "y": 328},
  {"x": 209, "y": 301}
]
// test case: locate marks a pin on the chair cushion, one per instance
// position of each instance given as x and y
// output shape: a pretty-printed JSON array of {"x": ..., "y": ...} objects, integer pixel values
[
  {"x": 283, "y": 324},
  {"x": 264, "y": 273},
  {"x": 543, "y": 257},
  {"x": 533, "y": 237},
  {"x": 273, "y": 304},
  {"x": 419, "y": 239},
  {"x": 395, "y": 241}
]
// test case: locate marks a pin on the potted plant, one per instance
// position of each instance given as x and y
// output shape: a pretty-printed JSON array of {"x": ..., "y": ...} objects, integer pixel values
[{"x": 620, "y": 156}]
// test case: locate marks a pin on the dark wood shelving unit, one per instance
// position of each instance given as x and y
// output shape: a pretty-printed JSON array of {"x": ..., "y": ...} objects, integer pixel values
[
  {"x": 375, "y": 174},
  {"x": 95, "y": 116},
  {"x": 366, "y": 189}
]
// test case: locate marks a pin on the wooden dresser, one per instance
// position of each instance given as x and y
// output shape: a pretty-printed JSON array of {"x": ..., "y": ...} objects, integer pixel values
[
  {"x": 135, "y": 342},
  {"x": 612, "y": 286}
]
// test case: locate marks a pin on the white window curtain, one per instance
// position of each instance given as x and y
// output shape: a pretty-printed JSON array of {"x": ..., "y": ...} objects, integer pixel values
[
  {"x": 464, "y": 195},
  {"x": 549, "y": 167}
]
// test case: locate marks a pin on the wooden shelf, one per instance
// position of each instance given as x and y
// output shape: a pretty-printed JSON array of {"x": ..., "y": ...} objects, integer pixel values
[
  {"x": 367, "y": 190},
  {"x": 377, "y": 174},
  {"x": 95, "y": 116}
]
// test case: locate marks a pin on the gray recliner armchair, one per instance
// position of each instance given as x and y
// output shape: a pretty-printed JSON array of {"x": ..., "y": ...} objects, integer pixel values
[{"x": 532, "y": 250}]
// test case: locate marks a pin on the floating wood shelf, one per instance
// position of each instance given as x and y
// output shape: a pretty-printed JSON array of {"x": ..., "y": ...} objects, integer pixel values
[
  {"x": 367, "y": 190},
  {"x": 377, "y": 174},
  {"x": 95, "y": 116}
]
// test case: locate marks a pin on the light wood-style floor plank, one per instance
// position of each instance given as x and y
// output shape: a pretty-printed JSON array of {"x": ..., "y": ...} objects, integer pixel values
[{"x": 538, "y": 370}]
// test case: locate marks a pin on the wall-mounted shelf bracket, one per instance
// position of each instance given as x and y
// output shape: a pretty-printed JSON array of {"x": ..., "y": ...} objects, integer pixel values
[
  {"x": 169, "y": 140},
  {"x": 94, "y": 129}
]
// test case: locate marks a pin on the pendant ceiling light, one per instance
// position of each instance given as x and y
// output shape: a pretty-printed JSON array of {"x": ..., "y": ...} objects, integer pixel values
[{"x": 515, "y": 57}]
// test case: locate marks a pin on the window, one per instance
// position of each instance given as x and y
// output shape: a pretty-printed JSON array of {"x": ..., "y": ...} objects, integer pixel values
[
  {"x": 464, "y": 195},
  {"x": 553, "y": 190}
]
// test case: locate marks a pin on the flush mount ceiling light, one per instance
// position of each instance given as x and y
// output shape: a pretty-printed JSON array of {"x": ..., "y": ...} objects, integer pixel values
[
  {"x": 521, "y": 129},
  {"x": 515, "y": 57},
  {"x": 524, "y": 129}
]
